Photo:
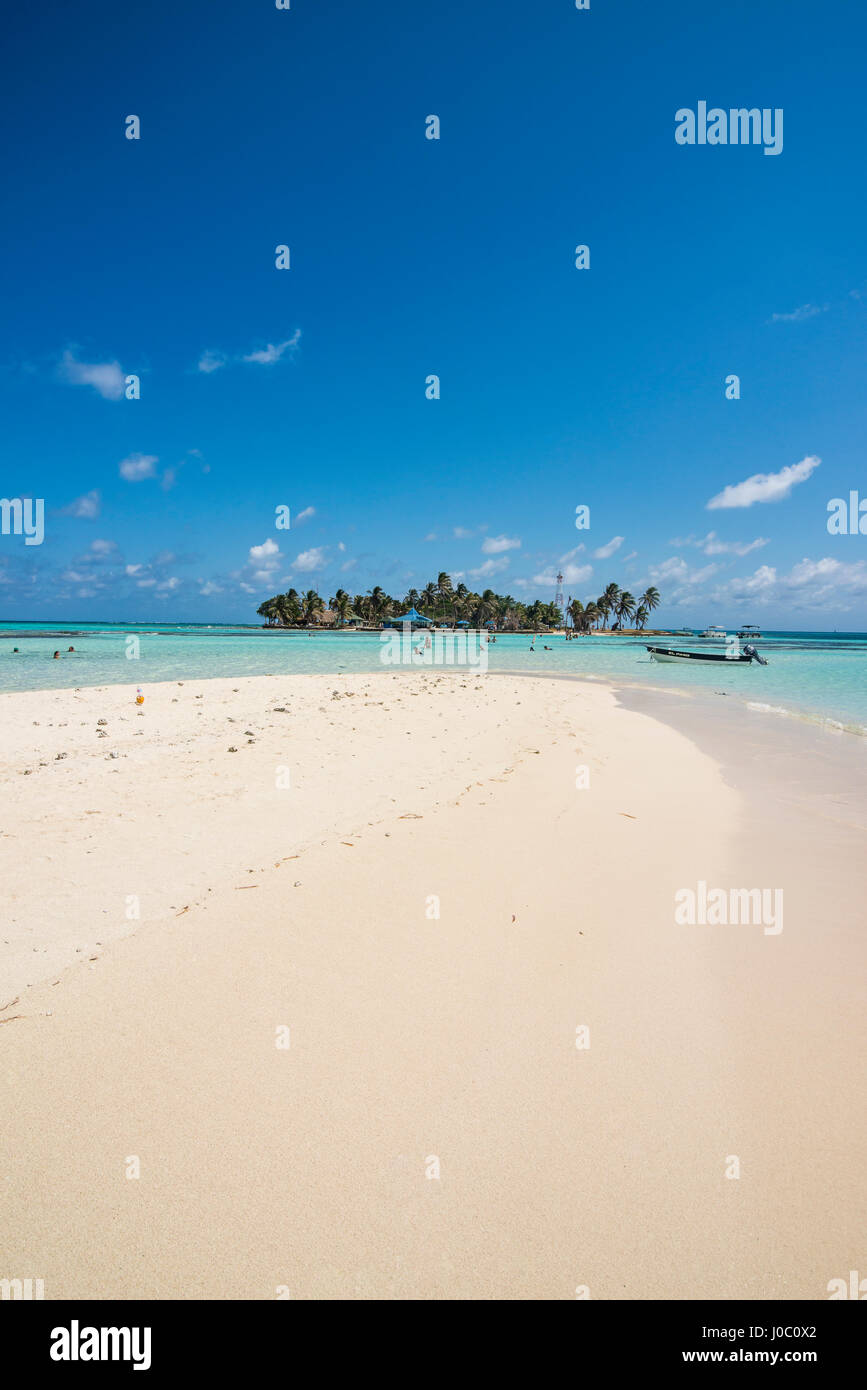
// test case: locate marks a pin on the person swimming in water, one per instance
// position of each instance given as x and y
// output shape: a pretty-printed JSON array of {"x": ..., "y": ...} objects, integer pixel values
[
  {"x": 56, "y": 656},
  {"x": 70, "y": 649}
]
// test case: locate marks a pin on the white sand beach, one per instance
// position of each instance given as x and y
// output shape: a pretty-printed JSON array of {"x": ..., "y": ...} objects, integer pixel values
[{"x": 426, "y": 884}]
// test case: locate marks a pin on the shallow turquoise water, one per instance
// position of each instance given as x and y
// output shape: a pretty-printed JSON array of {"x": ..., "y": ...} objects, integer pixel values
[{"x": 822, "y": 675}]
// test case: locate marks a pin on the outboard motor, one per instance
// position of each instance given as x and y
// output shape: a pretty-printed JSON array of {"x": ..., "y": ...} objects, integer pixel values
[{"x": 754, "y": 656}]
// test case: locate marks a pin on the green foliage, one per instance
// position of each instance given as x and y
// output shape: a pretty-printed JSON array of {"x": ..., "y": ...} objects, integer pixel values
[{"x": 441, "y": 601}]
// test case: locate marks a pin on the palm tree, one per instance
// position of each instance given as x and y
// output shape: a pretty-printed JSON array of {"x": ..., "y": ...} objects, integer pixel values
[
  {"x": 341, "y": 604},
  {"x": 534, "y": 614},
  {"x": 591, "y": 614},
  {"x": 485, "y": 608},
  {"x": 575, "y": 611},
  {"x": 650, "y": 599},
  {"x": 459, "y": 600},
  {"x": 444, "y": 587},
  {"x": 428, "y": 598},
  {"x": 311, "y": 605},
  {"x": 288, "y": 607},
  {"x": 642, "y": 613},
  {"x": 379, "y": 604},
  {"x": 268, "y": 611},
  {"x": 607, "y": 604},
  {"x": 625, "y": 606}
]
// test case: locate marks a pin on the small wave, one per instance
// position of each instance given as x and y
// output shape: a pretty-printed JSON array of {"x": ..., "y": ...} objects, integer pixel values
[{"x": 835, "y": 726}]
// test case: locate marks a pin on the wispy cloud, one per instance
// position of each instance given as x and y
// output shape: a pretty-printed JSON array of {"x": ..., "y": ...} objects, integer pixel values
[
  {"x": 606, "y": 551},
  {"x": 489, "y": 567},
  {"x": 712, "y": 545},
  {"x": 572, "y": 574},
  {"x": 676, "y": 571},
  {"x": 105, "y": 377},
  {"x": 495, "y": 545},
  {"x": 804, "y": 311},
  {"x": 135, "y": 467},
  {"x": 273, "y": 352},
  {"x": 85, "y": 508},
  {"x": 213, "y": 359},
  {"x": 765, "y": 487},
  {"x": 307, "y": 513}
]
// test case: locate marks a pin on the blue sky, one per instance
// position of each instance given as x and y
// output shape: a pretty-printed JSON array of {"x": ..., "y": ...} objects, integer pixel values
[{"x": 410, "y": 257}]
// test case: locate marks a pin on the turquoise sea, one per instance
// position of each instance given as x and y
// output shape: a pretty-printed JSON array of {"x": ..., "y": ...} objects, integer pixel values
[{"x": 819, "y": 675}]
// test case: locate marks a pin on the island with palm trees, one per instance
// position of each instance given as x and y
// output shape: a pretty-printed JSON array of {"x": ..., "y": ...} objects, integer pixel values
[{"x": 442, "y": 602}]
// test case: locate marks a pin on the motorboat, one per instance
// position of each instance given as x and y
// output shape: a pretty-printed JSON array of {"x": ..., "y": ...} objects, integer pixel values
[
  {"x": 716, "y": 634},
  {"x": 749, "y": 632},
  {"x": 742, "y": 658}
]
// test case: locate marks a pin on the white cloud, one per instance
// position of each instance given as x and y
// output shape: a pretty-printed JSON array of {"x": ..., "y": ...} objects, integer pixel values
[
  {"x": 209, "y": 588},
  {"x": 811, "y": 585},
  {"x": 167, "y": 585},
  {"x": 489, "y": 567},
  {"x": 86, "y": 508},
  {"x": 606, "y": 551},
  {"x": 264, "y": 554},
  {"x": 764, "y": 578},
  {"x": 765, "y": 487},
  {"x": 211, "y": 361},
  {"x": 570, "y": 554},
  {"x": 132, "y": 569},
  {"x": 494, "y": 545},
  {"x": 462, "y": 533},
  {"x": 273, "y": 352},
  {"x": 712, "y": 545},
  {"x": 830, "y": 574},
  {"x": 677, "y": 571},
  {"x": 307, "y": 513},
  {"x": 137, "y": 466},
  {"x": 103, "y": 547},
  {"x": 572, "y": 574},
  {"x": 145, "y": 583},
  {"x": 805, "y": 311},
  {"x": 310, "y": 559},
  {"x": 105, "y": 377}
]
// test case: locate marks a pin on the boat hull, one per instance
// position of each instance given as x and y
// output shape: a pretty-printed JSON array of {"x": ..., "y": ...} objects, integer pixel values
[{"x": 671, "y": 654}]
